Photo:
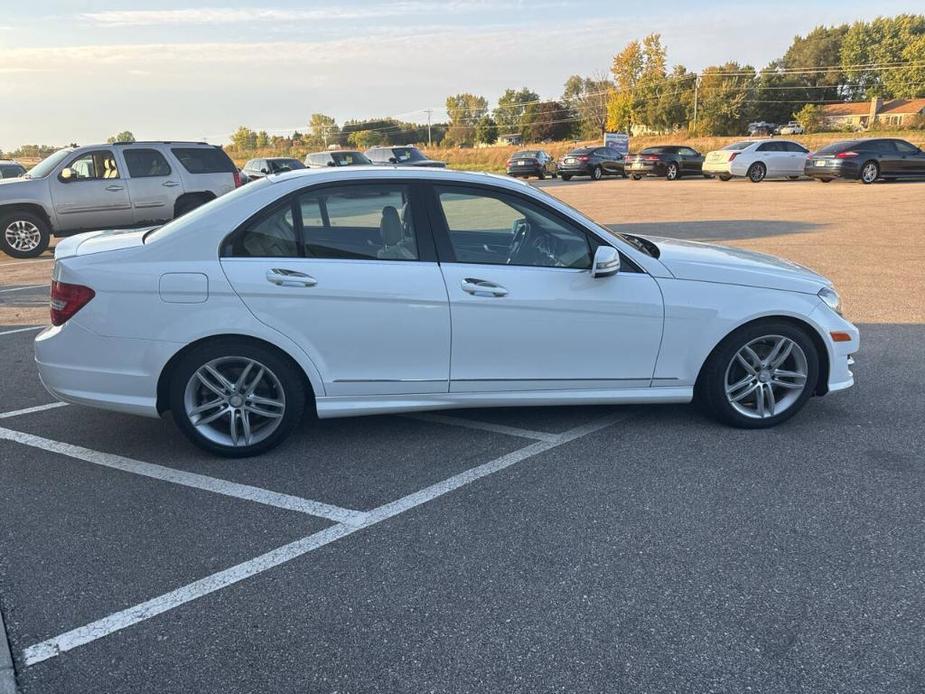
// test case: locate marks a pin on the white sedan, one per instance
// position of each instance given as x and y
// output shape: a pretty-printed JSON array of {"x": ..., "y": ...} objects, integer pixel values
[
  {"x": 757, "y": 160},
  {"x": 375, "y": 290}
]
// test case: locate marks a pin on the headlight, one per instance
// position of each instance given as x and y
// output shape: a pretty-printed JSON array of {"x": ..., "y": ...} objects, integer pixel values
[{"x": 831, "y": 299}]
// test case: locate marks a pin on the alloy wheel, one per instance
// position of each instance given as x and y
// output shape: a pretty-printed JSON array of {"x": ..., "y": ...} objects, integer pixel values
[
  {"x": 672, "y": 172},
  {"x": 766, "y": 376},
  {"x": 870, "y": 172},
  {"x": 234, "y": 401},
  {"x": 22, "y": 235},
  {"x": 757, "y": 173}
]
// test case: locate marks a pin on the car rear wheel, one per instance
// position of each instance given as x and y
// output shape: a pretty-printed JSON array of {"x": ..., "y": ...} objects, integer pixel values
[
  {"x": 760, "y": 375},
  {"x": 597, "y": 173},
  {"x": 757, "y": 172},
  {"x": 637, "y": 177},
  {"x": 825, "y": 180},
  {"x": 236, "y": 398},
  {"x": 870, "y": 172},
  {"x": 725, "y": 177},
  {"x": 566, "y": 177},
  {"x": 672, "y": 173},
  {"x": 23, "y": 235}
]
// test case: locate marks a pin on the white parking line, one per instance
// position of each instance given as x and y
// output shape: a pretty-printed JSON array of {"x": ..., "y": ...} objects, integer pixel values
[
  {"x": 189, "y": 479},
  {"x": 22, "y": 330},
  {"x": 31, "y": 410},
  {"x": 22, "y": 289},
  {"x": 485, "y": 426},
  {"x": 57, "y": 645}
]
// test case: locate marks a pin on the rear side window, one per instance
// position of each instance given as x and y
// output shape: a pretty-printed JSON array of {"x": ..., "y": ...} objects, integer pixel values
[
  {"x": 203, "y": 160},
  {"x": 769, "y": 147},
  {"x": 270, "y": 235},
  {"x": 144, "y": 163}
]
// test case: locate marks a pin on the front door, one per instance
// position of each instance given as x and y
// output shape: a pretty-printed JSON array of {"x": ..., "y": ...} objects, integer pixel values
[
  {"x": 527, "y": 315},
  {"x": 153, "y": 186},
  {"x": 349, "y": 272},
  {"x": 90, "y": 193},
  {"x": 912, "y": 158}
]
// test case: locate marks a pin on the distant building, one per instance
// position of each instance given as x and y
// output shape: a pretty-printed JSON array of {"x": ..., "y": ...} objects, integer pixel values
[
  {"x": 863, "y": 114},
  {"x": 511, "y": 139}
]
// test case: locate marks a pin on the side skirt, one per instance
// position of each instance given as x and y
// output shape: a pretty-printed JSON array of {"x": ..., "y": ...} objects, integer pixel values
[{"x": 351, "y": 406}]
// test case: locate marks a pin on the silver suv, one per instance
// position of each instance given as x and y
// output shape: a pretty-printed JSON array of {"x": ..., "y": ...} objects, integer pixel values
[{"x": 109, "y": 187}]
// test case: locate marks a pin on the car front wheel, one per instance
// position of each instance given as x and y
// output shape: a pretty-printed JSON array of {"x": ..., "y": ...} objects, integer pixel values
[
  {"x": 23, "y": 235},
  {"x": 236, "y": 398},
  {"x": 760, "y": 375}
]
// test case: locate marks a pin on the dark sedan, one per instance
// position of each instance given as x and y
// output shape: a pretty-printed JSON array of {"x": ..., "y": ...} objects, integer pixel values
[
  {"x": 867, "y": 161},
  {"x": 595, "y": 162},
  {"x": 670, "y": 161},
  {"x": 258, "y": 168},
  {"x": 531, "y": 162}
]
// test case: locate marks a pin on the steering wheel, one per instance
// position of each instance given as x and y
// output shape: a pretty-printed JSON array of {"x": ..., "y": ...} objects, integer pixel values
[{"x": 521, "y": 229}]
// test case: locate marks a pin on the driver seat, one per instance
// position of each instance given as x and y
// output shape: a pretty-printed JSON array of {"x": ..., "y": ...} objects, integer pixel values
[{"x": 394, "y": 244}]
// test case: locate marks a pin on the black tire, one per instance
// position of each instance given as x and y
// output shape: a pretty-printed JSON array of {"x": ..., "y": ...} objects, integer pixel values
[
  {"x": 824, "y": 180},
  {"x": 597, "y": 173},
  {"x": 725, "y": 177},
  {"x": 862, "y": 173},
  {"x": 566, "y": 177},
  {"x": 13, "y": 224},
  {"x": 189, "y": 204},
  {"x": 756, "y": 172},
  {"x": 637, "y": 177},
  {"x": 710, "y": 390},
  {"x": 541, "y": 176},
  {"x": 554, "y": 174},
  {"x": 286, "y": 372},
  {"x": 672, "y": 172},
  {"x": 794, "y": 178}
]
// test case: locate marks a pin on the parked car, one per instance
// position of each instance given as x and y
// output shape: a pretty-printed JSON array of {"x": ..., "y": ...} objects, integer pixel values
[
  {"x": 669, "y": 161},
  {"x": 402, "y": 156},
  {"x": 761, "y": 128},
  {"x": 757, "y": 159},
  {"x": 791, "y": 128},
  {"x": 11, "y": 169},
  {"x": 258, "y": 168},
  {"x": 113, "y": 186},
  {"x": 867, "y": 161},
  {"x": 263, "y": 305},
  {"x": 336, "y": 157},
  {"x": 531, "y": 162},
  {"x": 595, "y": 162}
]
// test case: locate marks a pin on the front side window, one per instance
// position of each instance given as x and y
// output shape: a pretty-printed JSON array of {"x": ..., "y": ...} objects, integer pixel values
[
  {"x": 499, "y": 229},
  {"x": 145, "y": 163},
  {"x": 884, "y": 147},
  {"x": 905, "y": 147},
  {"x": 93, "y": 166},
  {"x": 360, "y": 222}
]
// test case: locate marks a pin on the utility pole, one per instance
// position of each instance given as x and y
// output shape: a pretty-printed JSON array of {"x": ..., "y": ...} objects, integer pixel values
[
  {"x": 428, "y": 112},
  {"x": 696, "y": 98}
]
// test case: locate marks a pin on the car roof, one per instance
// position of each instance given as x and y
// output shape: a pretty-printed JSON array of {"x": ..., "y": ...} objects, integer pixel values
[
  {"x": 372, "y": 173},
  {"x": 337, "y": 151}
]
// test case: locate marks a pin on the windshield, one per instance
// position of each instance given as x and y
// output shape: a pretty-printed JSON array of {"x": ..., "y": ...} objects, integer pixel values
[
  {"x": 288, "y": 164},
  {"x": 527, "y": 154},
  {"x": 407, "y": 154},
  {"x": 192, "y": 217},
  {"x": 349, "y": 158},
  {"x": 738, "y": 146},
  {"x": 837, "y": 147},
  {"x": 47, "y": 165}
]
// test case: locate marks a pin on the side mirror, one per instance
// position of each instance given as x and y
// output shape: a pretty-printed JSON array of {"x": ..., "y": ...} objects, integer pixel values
[
  {"x": 606, "y": 262},
  {"x": 393, "y": 160},
  {"x": 265, "y": 171},
  {"x": 67, "y": 175},
  {"x": 331, "y": 163}
]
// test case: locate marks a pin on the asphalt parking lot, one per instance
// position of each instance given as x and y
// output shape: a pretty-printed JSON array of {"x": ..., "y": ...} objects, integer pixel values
[{"x": 602, "y": 549}]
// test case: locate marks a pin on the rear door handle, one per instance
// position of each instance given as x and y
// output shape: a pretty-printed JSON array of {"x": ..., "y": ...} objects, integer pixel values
[
  {"x": 113, "y": 188},
  {"x": 282, "y": 277},
  {"x": 478, "y": 287},
  {"x": 170, "y": 184}
]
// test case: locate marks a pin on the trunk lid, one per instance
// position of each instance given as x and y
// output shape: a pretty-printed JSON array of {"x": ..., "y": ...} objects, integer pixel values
[{"x": 100, "y": 242}]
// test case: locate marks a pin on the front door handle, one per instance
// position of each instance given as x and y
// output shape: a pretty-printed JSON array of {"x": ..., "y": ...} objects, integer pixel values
[
  {"x": 478, "y": 287},
  {"x": 113, "y": 188},
  {"x": 282, "y": 277},
  {"x": 170, "y": 184}
]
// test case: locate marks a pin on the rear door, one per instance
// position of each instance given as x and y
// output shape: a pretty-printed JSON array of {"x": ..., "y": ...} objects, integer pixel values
[
  {"x": 152, "y": 184},
  {"x": 691, "y": 160},
  {"x": 610, "y": 160},
  {"x": 349, "y": 272},
  {"x": 526, "y": 312},
  {"x": 796, "y": 158},
  {"x": 95, "y": 196}
]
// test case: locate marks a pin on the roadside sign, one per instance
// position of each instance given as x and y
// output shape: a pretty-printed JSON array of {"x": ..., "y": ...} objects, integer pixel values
[{"x": 619, "y": 141}]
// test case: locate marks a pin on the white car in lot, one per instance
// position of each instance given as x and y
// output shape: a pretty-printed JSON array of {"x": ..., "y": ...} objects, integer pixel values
[
  {"x": 369, "y": 290},
  {"x": 757, "y": 160}
]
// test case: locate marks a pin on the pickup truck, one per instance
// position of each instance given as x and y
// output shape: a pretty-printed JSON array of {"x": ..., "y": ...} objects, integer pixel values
[{"x": 111, "y": 186}]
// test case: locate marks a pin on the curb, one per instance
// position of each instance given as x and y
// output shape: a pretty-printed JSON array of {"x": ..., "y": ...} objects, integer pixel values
[{"x": 7, "y": 674}]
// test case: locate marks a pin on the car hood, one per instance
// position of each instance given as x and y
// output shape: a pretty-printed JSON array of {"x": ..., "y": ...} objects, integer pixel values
[
  {"x": 100, "y": 241},
  {"x": 16, "y": 188},
  {"x": 705, "y": 262}
]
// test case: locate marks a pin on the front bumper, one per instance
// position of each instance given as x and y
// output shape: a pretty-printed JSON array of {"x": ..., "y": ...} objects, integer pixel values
[
  {"x": 840, "y": 354},
  {"x": 83, "y": 368}
]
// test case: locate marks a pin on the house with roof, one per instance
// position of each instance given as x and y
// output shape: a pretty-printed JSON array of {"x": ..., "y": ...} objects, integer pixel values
[{"x": 863, "y": 114}]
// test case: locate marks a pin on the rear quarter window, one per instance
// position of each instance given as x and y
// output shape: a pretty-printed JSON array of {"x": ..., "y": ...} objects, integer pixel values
[{"x": 203, "y": 160}]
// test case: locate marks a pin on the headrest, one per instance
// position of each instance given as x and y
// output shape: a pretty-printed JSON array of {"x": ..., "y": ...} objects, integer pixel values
[{"x": 390, "y": 226}]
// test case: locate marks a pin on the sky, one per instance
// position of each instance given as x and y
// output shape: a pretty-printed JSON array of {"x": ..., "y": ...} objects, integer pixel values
[{"x": 82, "y": 70}]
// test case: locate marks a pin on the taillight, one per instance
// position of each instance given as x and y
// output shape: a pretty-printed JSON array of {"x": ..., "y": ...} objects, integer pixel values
[
  {"x": 68, "y": 299},
  {"x": 582, "y": 158},
  {"x": 651, "y": 157},
  {"x": 733, "y": 156},
  {"x": 237, "y": 178},
  {"x": 846, "y": 155}
]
